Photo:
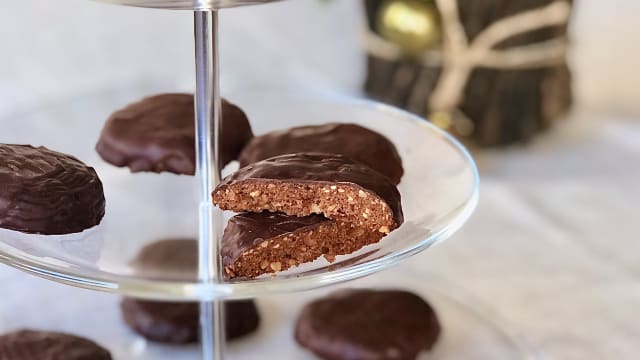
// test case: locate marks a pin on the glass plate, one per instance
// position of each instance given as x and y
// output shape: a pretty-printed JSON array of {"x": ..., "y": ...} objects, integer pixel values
[
  {"x": 471, "y": 328},
  {"x": 439, "y": 190}
]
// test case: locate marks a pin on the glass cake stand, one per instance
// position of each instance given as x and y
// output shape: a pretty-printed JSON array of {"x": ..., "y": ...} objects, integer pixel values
[
  {"x": 439, "y": 192},
  {"x": 439, "y": 189},
  {"x": 471, "y": 328}
]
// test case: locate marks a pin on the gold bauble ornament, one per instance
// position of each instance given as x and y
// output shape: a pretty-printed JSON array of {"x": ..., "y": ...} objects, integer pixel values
[
  {"x": 413, "y": 25},
  {"x": 455, "y": 122}
]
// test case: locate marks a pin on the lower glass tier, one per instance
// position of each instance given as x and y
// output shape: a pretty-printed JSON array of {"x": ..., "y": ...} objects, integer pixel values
[
  {"x": 470, "y": 328},
  {"x": 439, "y": 190}
]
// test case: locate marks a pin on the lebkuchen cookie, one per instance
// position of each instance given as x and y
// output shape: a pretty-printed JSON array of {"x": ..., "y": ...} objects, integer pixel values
[{"x": 303, "y": 184}]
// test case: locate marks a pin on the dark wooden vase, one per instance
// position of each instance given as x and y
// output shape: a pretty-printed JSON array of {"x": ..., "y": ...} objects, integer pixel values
[{"x": 505, "y": 106}]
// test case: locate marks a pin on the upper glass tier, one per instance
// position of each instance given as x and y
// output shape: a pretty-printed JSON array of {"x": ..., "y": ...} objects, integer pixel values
[
  {"x": 187, "y": 4},
  {"x": 439, "y": 192}
]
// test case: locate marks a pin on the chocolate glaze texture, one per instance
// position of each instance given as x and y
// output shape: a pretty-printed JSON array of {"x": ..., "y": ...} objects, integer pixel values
[
  {"x": 178, "y": 323},
  {"x": 321, "y": 169},
  {"x": 47, "y": 192},
  {"x": 158, "y": 134},
  {"x": 40, "y": 345},
  {"x": 354, "y": 141},
  {"x": 368, "y": 324},
  {"x": 246, "y": 230}
]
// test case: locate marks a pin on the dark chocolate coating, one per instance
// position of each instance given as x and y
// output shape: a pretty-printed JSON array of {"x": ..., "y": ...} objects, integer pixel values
[
  {"x": 246, "y": 230},
  {"x": 321, "y": 169},
  {"x": 46, "y": 192},
  {"x": 177, "y": 259},
  {"x": 354, "y": 141},
  {"x": 158, "y": 134},
  {"x": 368, "y": 325},
  {"x": 41, "y": 345},
  {"x": 177, "y": 323}
]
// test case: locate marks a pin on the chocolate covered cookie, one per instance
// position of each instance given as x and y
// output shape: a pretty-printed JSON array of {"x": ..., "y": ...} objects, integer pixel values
[
  {"x": 368, "y": 324},
  {"x": 158, "y": 134},
  {"x": 47, "y": 192},
  {"x": 177, "y": 259},
  {"x": 177, "y": 323},
  {"x": 354, "y": 141},
  {"x": 42, "y": 345},
  {"x": 258, "y": 243},
  {"x": 169, "y": 259},
  {"x": 312, "y": 183}
]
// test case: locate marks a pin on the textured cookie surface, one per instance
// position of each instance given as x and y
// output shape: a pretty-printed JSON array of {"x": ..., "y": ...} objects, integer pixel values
[
  {"x": 368, "y": 325},
  {"x": 258, "y": 243},
  {"x": 354, "y": 141},
  {"x": 314, "y": 183},
  {"x": 177, "y": 323},
  {"x": 41, "y": 345},
  {"x": 157, "y": 134},
  {"x": 47, "y": 192}
]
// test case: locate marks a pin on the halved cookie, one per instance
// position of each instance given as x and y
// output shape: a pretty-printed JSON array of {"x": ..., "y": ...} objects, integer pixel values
[
  {"x": 258, "y": 243},
  {"x": 314, "y": 183}
]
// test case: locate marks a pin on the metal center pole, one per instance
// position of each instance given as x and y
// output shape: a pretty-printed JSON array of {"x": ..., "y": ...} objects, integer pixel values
[{"x": 208, "y": 128}]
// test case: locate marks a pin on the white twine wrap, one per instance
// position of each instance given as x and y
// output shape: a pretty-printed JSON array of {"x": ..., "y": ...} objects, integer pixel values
[{"x": 459, "y": 57}]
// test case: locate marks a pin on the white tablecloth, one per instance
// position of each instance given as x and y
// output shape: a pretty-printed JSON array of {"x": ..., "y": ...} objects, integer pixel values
[{"x": 553, "y": 246}]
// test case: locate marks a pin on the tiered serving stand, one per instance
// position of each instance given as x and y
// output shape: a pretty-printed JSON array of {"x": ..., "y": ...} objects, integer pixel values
[{"x": 439, "y": 189}]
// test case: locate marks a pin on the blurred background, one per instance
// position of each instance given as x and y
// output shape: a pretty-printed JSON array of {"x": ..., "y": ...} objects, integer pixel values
[
  {"x": 552, "y": 249},
  {"x": 54, "y": 50}
]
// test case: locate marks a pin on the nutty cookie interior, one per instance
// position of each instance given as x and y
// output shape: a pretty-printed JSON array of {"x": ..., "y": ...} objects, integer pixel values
[
  {"x": 258, "y": 243},
  {"x": 314, "y": 183}
]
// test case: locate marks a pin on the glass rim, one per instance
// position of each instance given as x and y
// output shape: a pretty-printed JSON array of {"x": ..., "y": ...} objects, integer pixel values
[{"x": 154, "y": 289}]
